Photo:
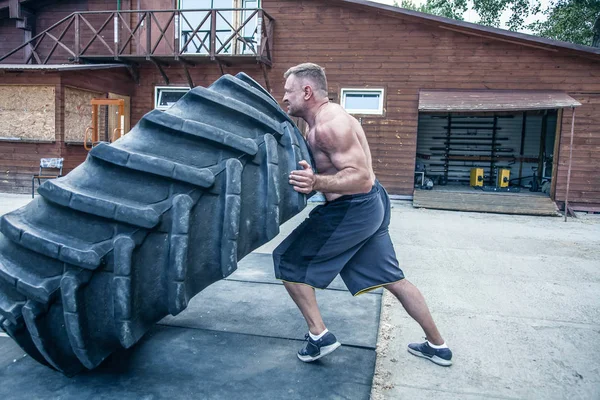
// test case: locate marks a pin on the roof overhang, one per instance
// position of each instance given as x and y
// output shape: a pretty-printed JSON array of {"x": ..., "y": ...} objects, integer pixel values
[
  {"x": 57, "y": 67},
  {"x": 493, "y": 100}
]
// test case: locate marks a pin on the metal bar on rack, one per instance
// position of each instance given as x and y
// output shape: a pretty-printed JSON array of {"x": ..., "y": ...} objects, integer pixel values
[
  {"x": 522, "y": 149},
  {"x": 542, "y": 153},
  {"x": 447, "y": 149},
  {"x": 492, "y": 162}
]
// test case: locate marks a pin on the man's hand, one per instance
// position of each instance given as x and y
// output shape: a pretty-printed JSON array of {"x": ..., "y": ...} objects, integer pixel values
[{"x": 303, "y": 180}]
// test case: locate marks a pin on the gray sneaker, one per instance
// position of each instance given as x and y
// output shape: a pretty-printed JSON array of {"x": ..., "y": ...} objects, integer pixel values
[
  {"x": 315, "y": 349},
  {"x": 441, "y": 357}
]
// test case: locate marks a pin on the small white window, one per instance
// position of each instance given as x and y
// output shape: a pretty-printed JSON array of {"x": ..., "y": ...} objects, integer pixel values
[
  {"x": 166, "y": 96},
  {"x": 363, "y": 101}
]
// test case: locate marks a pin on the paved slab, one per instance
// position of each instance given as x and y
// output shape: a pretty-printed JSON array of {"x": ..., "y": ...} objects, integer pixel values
[
  {"x": 9, "y": 352},
  {"x": 236, "y": 340},
  {"x": 175, "y": 363},
  {"x": 266, "y": 310}
]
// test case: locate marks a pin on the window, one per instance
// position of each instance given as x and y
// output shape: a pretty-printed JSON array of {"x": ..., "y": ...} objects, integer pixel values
[
  {"x": 363, "y": 101},
  {"x": 201, "y": 40},
  {"x": 228, "y": 22},
  {"x": 250, "y": 29},
  {"x": 166, "y": 96}
]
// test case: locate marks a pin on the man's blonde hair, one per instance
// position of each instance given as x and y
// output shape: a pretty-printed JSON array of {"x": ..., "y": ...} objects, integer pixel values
[{"x": 315, "y": 73}]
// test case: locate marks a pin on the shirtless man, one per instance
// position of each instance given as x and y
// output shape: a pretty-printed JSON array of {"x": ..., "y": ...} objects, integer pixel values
[{"x": 349, "y": 233}]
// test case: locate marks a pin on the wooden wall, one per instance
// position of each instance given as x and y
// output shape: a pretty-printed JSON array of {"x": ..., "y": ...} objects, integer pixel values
[
  {"x": 104, "y": 81},
  {"x": 202, "y": 75},
  {"x": 370, "y": 49},
  {"x": 364, "y": 47},
  {"x": 584, "y": 188},
  {"x": 19, "y": 160},
  {"x": 10, "y": 38},
  {"x": 359, "y": 49},
  {"x": 47, "y": 15}
]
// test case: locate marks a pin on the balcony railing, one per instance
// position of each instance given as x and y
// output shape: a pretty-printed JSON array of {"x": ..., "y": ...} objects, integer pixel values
[{"x": 153, "y": 34}]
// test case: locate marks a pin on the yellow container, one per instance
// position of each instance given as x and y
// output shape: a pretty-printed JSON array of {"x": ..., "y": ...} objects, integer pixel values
[
  {"x": 476, "y": 176},
  {"x": 503, "y": 178}
]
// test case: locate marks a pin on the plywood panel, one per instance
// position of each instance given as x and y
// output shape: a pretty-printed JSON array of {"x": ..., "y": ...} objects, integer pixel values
[
  {"x": 27, "y": 113},
  {"x": 78, "y": 113}
]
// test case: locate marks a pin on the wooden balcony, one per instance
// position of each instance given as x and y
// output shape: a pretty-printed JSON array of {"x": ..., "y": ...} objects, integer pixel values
[{"x": 228, "y": 36}]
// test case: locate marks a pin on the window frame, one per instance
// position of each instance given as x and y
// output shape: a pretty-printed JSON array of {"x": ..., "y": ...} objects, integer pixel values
[
  {"x": 158, "y": 89},
  {"x": 345, "y": 91}
]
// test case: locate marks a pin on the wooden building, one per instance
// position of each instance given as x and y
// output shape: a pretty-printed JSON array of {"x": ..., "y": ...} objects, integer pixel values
[{"x": 419, "y": 84}]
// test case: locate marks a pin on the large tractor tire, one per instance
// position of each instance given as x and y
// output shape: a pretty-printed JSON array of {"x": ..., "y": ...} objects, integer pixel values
[{"x": 146, "y": 223}]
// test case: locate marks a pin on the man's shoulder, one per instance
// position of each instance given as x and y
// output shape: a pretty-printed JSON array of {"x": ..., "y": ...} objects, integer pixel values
[{"x": 335, "y": 121}]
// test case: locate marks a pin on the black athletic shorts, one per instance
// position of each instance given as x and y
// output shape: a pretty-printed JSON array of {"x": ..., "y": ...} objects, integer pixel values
[{"x": 347, "y": 236}]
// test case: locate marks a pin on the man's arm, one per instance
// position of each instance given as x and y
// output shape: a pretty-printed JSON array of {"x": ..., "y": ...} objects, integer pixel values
[{"x": 348, "y": 157}]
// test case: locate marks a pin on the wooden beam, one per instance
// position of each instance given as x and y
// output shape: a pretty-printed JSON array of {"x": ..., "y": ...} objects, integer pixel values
[
  {"x": 135, "y": 74},
  {"x": 266, "y": 75},
  {"x": 14, "y": 9},
  {"x": 28, "y": 48},
  {"x": 27, "y": 20},
  {"x": 187, "y": 75},
  {"x": 106, "y": 102},
  {"x": 161, "y": 70},
  {"x": 186, "y": 62}
]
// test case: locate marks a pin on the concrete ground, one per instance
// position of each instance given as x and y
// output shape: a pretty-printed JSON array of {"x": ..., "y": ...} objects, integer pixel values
[{"x": 517, "y": 298}]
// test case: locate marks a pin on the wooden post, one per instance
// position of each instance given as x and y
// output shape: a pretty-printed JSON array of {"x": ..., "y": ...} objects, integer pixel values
[
  {"x": 94, "y": 123},
  {"x": 14, "y": 9},
  {"x": 28, "y": 48},
  {"x": 176, "y": 44},
  {"x": 570, "y": 160},
  {"x": 148, "y": 34},
  {"x": 555, "y": 153},
  {"x": 259, "y": 33},
  {"x": 77, "y": 38},
  {"x": 116, "y": 34},
  {"x": 213, "y": 33},
  {"x": 121, "y": 118}
]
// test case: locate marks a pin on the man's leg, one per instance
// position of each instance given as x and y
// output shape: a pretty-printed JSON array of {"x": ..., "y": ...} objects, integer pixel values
[
  {"x": 305, "y": 299},
  {"x": 434, "y": 348},
  {"x": 413, "y": 302},
  {"x": 319, "y": 341}
]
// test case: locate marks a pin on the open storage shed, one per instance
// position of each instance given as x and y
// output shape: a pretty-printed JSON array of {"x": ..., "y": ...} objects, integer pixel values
[{"x": 509, "y": 135}]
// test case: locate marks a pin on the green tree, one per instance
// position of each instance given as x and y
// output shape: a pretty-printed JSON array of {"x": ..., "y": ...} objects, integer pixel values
[
  {"x": 489, "y": 11},
  {"x": 444, "y": 8},
  {"x": 570, "y": 21}
]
